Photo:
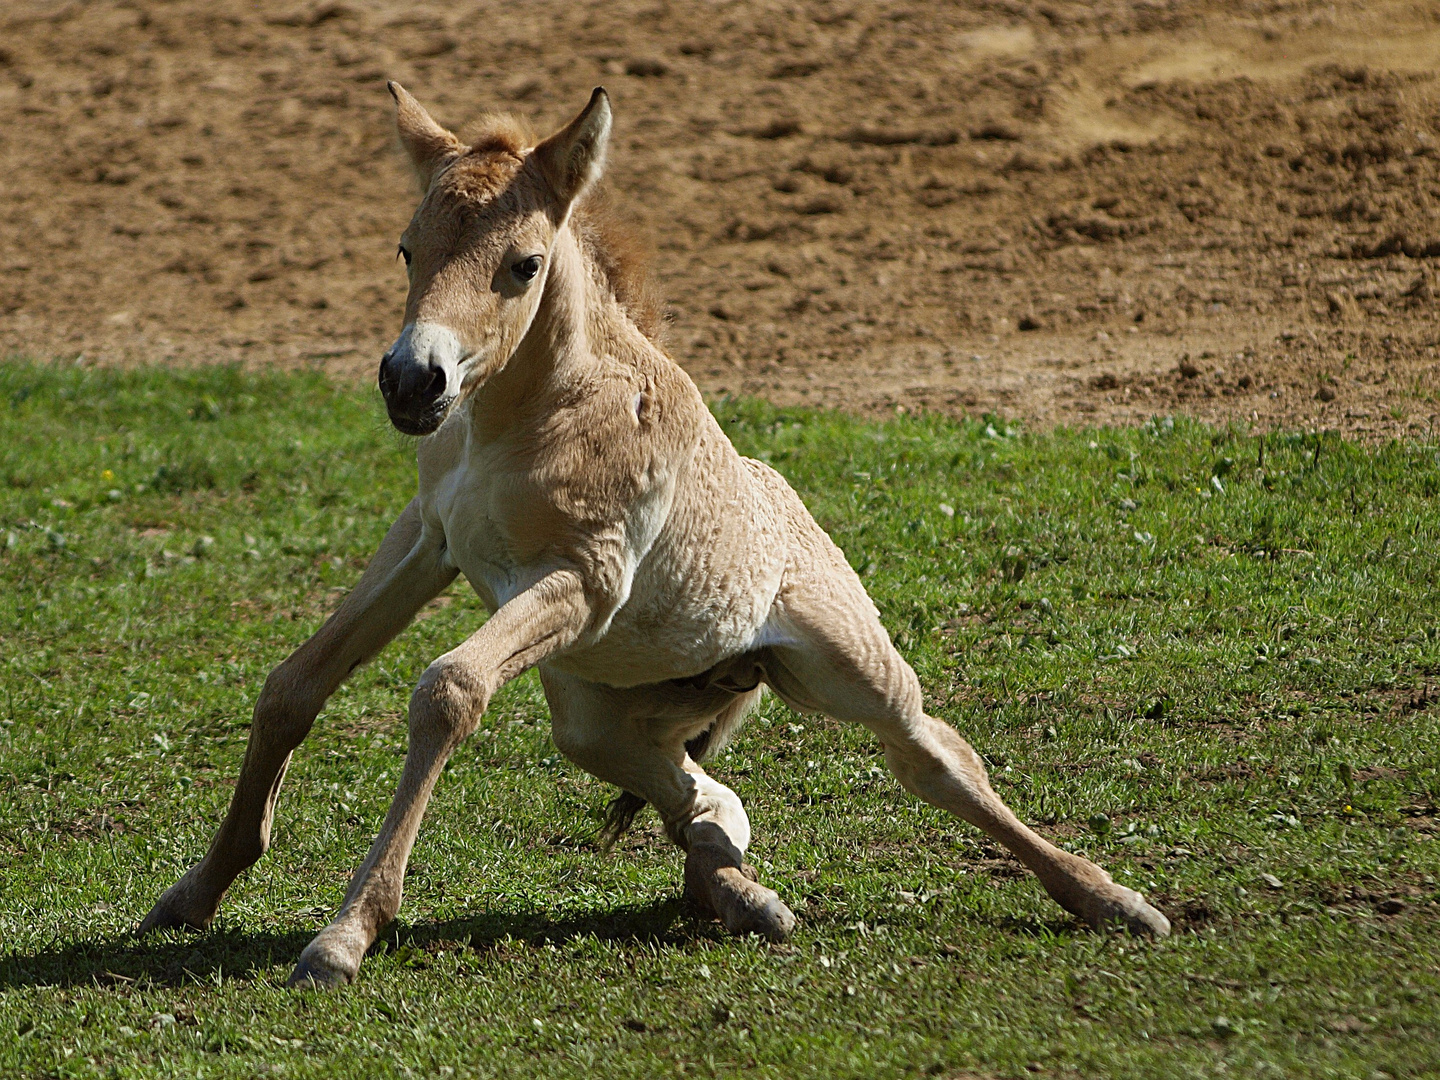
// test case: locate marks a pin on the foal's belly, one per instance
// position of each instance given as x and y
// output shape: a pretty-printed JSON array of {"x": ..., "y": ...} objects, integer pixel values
[
  {"x": 629, "y": 655},
  {"x": 682, "y": 620},
  {"x": 670, "y": 626}
]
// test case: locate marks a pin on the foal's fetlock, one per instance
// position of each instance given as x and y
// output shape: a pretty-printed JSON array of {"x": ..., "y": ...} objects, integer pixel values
[
  {"x": 732, "y": 892},
  {"x": 324, "y": 965},
  {"x": 180, "y": 907},
  {"x": 1113, "y": 905},
  {"x": 1085, "y": 890}
]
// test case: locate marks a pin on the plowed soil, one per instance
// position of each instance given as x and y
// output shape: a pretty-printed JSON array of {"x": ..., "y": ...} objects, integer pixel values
[{"x": 1061, "y": 212}]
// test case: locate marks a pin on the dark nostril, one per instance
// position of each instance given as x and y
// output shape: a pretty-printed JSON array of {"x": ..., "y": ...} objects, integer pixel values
[{"x": 437, "y": 384}]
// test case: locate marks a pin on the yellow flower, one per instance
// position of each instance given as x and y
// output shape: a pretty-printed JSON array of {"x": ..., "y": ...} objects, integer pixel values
[{"x": 107, "y": 475}]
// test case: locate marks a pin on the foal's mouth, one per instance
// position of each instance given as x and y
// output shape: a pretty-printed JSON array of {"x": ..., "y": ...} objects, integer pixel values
[{"x": 426, "y": 422}]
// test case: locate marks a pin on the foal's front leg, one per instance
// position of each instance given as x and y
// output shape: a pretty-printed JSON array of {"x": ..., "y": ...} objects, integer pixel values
[
  {"x": 445, "y": 708},
  {"x": 408, "y": 570}
]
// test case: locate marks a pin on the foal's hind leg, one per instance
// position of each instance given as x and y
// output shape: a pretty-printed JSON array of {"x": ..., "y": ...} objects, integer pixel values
[
  {"x": 611, "y": 734},
  {"x": 842, "y": 663},
  {"x": 406, "y": 573}
]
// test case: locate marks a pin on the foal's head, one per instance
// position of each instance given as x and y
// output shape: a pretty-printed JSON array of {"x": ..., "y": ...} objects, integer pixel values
[{"x": 478, "y": 250}]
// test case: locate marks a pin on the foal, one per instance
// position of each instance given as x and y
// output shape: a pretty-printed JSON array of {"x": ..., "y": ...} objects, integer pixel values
[{"x": 572, "y": 473}]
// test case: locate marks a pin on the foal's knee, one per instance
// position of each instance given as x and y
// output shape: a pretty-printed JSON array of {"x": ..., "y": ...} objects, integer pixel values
[
  {"x": 448, "y": 701},
  {"x": 714, "y": 812}
]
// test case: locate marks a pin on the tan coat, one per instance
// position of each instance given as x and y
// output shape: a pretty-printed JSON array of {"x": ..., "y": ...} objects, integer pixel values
[{"x": 571, "y": 471}]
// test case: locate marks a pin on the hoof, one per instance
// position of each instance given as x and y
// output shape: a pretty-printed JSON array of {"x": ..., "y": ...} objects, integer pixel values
[
  {"x": 761, "y": 911},
  {"x": 175, "y": 910},
  {"x": 718, "y": 879},
  {"x": 1126, "y": 908},
  {"x": 318, "y": 969}
]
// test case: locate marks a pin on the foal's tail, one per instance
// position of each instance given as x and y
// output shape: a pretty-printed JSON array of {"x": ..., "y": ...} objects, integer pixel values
[
  {"x": 619, "y": 816},
  {"x": 622, "y": 811}
]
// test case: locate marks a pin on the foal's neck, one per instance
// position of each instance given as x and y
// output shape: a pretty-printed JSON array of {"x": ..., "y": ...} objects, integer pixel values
[{"x": 559, "y": 357}]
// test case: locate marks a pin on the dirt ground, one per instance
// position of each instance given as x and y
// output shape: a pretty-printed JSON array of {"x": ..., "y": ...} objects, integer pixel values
[{"x": 1063, "y": 212}]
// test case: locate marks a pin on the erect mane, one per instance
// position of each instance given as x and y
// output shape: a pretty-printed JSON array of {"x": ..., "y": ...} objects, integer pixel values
[
  {"x": 622, "y": 257},
  {"x": 618, "y": 252},
  {"x": 502, "y": 133}
]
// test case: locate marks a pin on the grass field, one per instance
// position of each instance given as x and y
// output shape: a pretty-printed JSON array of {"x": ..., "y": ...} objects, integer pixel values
[{"x": 1208, "y": 660}]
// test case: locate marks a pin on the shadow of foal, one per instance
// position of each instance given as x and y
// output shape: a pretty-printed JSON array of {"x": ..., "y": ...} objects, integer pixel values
[{"x": 246, "y": 955}]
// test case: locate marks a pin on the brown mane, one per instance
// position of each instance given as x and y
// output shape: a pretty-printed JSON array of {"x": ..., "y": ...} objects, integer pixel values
[
  {"x": 502, "y": 133},
  {"x": 618, "y": 251},
  {"x": 622, "y": 256}
]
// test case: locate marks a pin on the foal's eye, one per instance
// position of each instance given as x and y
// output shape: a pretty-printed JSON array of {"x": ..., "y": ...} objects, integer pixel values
[
  {"x": 526, "y": 269},
  {"x": 404, "y": 254}
]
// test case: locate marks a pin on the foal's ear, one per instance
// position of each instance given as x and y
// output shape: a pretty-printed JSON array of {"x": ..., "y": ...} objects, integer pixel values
[
  {"x": 428, "y": 144},
  {"x": 574, "y": 157}
]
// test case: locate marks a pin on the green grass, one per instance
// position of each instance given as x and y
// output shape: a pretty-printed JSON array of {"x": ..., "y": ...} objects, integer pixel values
[{"x": 1233, "y": 660}]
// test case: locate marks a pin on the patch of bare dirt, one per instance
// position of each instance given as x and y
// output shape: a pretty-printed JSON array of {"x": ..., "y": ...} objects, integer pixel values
[{"x": 1064, "y": 212}]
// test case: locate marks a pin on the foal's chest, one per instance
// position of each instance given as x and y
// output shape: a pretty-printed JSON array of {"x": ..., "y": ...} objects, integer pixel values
[
  {"x": 469, "y": 501},
  {"x": 515, "y": 510}
]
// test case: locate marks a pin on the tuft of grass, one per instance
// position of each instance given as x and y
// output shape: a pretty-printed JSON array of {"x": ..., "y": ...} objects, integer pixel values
[{"x": 1207, "y": 659}]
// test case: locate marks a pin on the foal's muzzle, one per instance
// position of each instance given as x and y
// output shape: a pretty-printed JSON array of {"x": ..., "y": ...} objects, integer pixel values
[{"x": 419, "y": 377}]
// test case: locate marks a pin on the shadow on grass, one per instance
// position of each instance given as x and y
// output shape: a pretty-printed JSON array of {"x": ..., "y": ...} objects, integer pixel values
[
  {"x": 169, "y": 958},
  {"x": 173, "y": 958},
  {"x": 669, "y": 921}
]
